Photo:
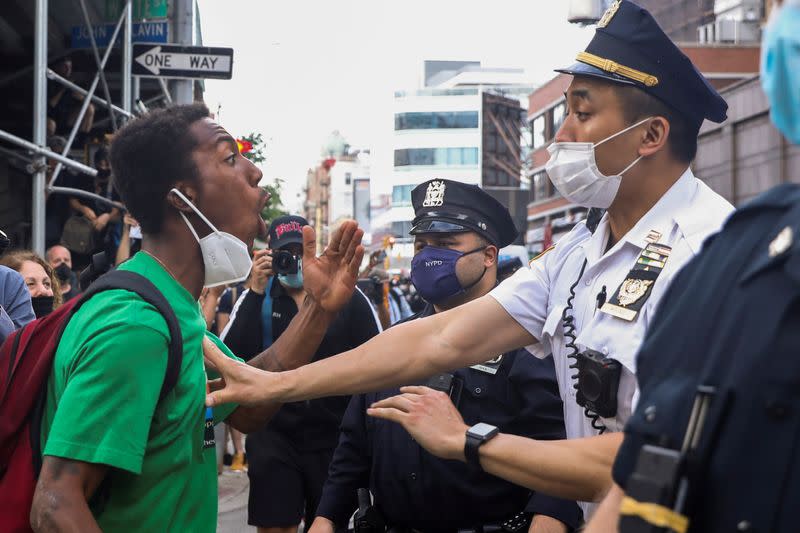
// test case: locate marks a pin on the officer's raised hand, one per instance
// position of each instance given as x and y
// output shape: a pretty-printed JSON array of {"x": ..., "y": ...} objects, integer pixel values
[{"x": 430, "y": 418}]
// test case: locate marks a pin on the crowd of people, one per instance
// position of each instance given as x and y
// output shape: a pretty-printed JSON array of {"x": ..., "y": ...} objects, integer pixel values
[{"x": 614, "y": 384}]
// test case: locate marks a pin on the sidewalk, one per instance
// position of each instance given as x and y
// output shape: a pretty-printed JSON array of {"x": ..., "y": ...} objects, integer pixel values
[{"x": 232, "y": 513}]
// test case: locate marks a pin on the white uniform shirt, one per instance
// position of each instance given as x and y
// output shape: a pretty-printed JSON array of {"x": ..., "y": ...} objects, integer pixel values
[{"x": 688, "y": 213}]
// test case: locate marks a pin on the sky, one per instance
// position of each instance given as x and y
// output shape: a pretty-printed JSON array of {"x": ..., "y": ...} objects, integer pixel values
[{"x": 305, "y": 68}]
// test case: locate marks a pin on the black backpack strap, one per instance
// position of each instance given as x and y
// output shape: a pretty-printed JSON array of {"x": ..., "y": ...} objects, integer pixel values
[{"x": 131, "y": 281}]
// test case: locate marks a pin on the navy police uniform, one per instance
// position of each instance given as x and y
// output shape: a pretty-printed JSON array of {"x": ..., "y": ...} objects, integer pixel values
[
  {"x": 516, "y": 392},
  {"x": 731, "y": 320}
]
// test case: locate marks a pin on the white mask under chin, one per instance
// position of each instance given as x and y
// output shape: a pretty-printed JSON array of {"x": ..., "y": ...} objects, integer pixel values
[
  {"x": 225, "y": 257},
  {"x": 573, "y": 170}
]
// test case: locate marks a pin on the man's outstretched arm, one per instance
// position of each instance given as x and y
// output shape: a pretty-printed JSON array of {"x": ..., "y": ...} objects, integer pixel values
[
  {"x": 576, "y": 469},
  {"x": 469, "y": 334},
  {"x": 329, "y": 282}
]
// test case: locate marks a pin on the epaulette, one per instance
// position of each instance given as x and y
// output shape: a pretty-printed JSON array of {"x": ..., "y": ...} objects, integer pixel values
[{"x": 542, "y": 254}]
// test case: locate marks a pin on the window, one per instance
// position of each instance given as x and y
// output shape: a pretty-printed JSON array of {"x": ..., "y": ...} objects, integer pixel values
[
  {"x": 438, "y": 120},
  {"x": 538, "y": 131},
  {"x": 558, "y": 118},
  {"x": 348, "y": 178},
  {"x": 401, "y": 195},
  {"x": 401, "y": 228},
  {"x": 435, "y": 157}
]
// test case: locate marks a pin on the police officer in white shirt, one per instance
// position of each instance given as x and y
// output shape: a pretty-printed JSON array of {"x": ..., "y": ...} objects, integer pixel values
[{"x": 636, "y": 104}]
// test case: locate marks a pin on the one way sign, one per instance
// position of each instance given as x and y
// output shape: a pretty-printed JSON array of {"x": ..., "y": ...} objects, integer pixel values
[{"x": 175, "y": 61}]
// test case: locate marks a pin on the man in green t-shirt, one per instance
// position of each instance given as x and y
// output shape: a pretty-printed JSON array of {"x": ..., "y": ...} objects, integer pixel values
[{"x": 115, "y": 457}]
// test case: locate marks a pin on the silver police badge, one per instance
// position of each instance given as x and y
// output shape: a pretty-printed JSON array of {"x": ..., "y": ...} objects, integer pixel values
[{"x": 434, "y": 196}]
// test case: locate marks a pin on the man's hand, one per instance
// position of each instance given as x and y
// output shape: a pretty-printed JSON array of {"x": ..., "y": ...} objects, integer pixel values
[
  {"x": 321, "y": 525},
  {"x": 430, "y": 418},
  {"x": 547, "y": 524},
  {"x": 330, "y": 278},
  {"x": 262, "y": 270},
  {"x": 240, "y": 383},
  {"x": 89, "y": 213}
]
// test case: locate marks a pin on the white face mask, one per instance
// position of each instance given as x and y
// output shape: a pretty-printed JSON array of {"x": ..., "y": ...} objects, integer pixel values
[
  {"x": 225, "y": 257},
  {"x": 573, "y": 170}
]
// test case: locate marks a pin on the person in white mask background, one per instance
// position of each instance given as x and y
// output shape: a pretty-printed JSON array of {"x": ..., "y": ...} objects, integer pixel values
[
  {"x": 198, "y": 202},
  {"x": 635, "y": 107}
]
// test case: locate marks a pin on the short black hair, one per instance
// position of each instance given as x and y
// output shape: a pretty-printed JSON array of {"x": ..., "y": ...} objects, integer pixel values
[
  {"x": 149, "y": 155},
  {"x": 638, "y": 105}
]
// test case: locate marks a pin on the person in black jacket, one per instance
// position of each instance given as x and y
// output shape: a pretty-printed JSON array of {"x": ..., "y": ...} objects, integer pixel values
[
  {"x": 516, "y": 392},
  {"x": 288, "y": 459}
]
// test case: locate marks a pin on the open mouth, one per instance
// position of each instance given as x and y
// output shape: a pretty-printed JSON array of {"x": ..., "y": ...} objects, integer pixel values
[{"x": 262, "y": 225}]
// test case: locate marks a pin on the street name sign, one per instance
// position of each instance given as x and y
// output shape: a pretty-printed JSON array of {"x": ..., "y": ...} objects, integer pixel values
[{"x": 177, "y": 61}]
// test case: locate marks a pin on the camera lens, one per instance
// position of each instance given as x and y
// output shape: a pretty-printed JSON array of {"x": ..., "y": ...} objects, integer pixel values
[{"x": 283, "y": 262}]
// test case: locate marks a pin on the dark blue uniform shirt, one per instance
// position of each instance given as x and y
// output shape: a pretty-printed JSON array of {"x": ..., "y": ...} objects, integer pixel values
[
  {"x": 731, "y": 319},
  {"x": 413, "y": 488}
]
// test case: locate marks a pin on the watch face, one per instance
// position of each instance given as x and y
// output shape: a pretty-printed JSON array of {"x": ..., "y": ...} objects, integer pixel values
[{"x": 482, "y": 430}]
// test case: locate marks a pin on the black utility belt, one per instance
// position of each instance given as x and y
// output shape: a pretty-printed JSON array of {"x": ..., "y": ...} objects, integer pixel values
[{"x": 516, "y": 524}]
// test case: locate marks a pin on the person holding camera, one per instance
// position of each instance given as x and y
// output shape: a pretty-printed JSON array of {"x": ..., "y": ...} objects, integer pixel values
[{"x": 288, "y": 459}]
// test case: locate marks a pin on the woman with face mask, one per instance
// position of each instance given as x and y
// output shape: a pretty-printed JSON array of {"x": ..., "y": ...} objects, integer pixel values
[{"x": 40, "y": 278}]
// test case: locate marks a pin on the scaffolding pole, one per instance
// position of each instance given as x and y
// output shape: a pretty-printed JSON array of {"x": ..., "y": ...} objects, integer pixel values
[
  {"x": 39, "y": 124},
  {"x": 78, "y": 89},
  {"x": 127, "y": 58},
  {"x": 41, "y": 151},
  {"x": 100, "y": 64},
  {"x": 87, "y": 99}
]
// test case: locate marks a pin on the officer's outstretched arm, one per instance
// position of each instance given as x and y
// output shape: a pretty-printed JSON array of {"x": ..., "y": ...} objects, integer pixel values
[
  {"x": 575, "y": 469},
  {"x": 469, "y": 334}
]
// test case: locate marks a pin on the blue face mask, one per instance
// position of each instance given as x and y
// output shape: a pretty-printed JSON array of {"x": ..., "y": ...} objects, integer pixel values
[
  {"x": 780, "y": 68},
  {"x": 293, "y": 281},
  {"x": 433, "y": 273}
]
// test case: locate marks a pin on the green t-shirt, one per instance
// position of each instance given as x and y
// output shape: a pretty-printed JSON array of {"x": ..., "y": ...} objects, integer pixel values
[{"x": 102, "y": 407}]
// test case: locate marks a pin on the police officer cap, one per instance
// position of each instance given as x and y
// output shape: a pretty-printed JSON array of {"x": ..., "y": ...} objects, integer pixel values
[
  {"x": 286, "y": 230},
  {"x": 445, "y": 206},
  {"x": 629, "y": 47}
]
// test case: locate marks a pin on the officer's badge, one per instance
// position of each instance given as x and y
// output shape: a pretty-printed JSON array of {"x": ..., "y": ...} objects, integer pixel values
[
  {"x": 782, "y": 242},
  {"x": 631, "y": 296},
  {"x": 609, "y": 14},
  {"x": 434, "y": 196},
  {"x": 632, "y": 290}
]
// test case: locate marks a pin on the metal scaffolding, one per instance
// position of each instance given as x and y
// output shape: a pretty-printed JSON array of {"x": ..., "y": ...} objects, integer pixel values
[{"x": 41, "y": 74}]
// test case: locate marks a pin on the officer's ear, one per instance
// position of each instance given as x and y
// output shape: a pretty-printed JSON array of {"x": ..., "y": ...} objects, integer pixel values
[
  {"x": 490, "y": 255},
  {"x": 654, "y": 137}
]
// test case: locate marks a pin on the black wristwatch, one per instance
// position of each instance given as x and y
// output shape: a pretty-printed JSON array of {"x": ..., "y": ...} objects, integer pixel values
[{"x": 477, "y": 435}]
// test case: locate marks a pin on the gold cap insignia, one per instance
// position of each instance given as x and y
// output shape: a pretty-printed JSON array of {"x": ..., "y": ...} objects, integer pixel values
[
  {"x": 609, "y": 14},
  {"x": 781, "y": 242},
  {"x": 434, "y": 195},
  {"x": 632, "y": 290}
]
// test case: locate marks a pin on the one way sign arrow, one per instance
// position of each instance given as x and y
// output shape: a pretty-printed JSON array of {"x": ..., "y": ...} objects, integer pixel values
[{"x": 175, "y": 61}]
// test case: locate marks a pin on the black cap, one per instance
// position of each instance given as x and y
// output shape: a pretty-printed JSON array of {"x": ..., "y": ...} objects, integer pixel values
[
  {"x": 629, "y": 47},
  {"x": 445, "y": 206},
  {"x": 286, "y": 230}
]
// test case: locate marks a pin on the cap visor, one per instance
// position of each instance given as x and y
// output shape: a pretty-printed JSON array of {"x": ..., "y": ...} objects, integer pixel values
[
  {"x": 582, "y": 69},
  {"x": 437, "y": 226}
]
